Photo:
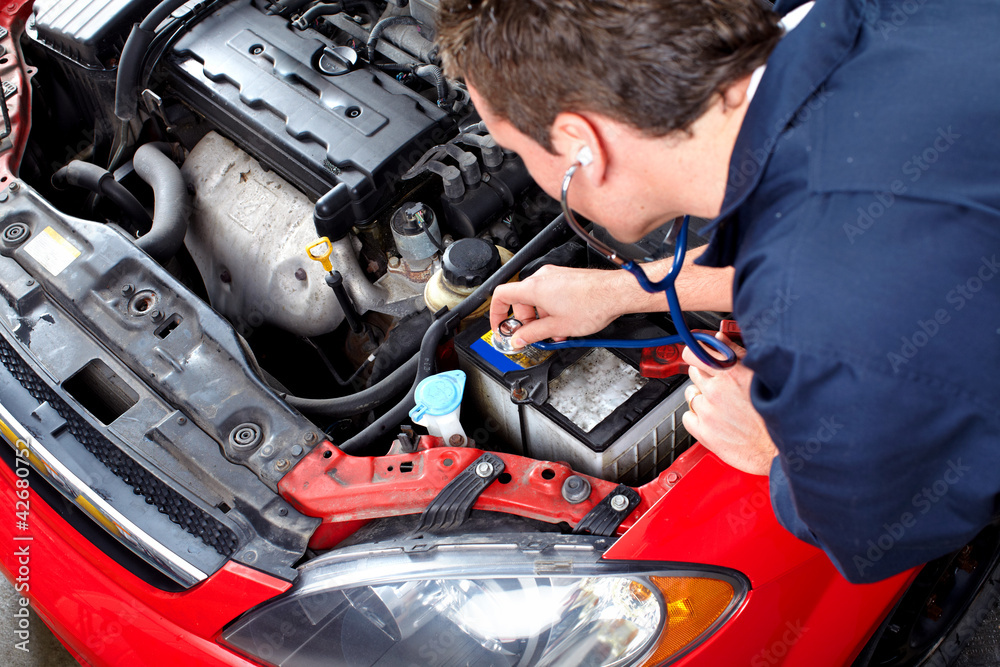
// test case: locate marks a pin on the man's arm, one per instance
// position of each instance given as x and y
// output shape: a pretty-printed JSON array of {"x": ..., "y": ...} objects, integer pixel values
[{"x": 579, "y": 302}]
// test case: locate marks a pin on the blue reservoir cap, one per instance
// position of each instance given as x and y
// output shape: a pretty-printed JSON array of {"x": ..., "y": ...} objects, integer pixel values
[{"x": 438, "y": 395}]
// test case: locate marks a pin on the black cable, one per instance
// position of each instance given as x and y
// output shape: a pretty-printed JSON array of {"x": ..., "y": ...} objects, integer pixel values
[
  {"x": 142, "y": 41},
  {"x": 359, "y": 402},
  {"x": 380, "y": 27},
  {"x": 316, "y": 11},
  {"x": 445, "y": 322},
  {"x": 433, "y": 75}
]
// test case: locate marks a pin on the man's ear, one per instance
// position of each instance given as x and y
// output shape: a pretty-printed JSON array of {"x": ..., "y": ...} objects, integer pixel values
[
  {"x": 735, "y": 94},
  {"x": 579, "y": 139}
]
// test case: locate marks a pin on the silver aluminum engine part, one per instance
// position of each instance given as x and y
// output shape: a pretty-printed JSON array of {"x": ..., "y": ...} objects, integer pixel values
[
  {"x": 413, "y": 226},
  {"x": 248, "y": 236}
]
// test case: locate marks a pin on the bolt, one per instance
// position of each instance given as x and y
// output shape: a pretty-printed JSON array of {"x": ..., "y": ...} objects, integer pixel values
[
  {"x": 619, "y": 503},
  {"x": 256, "y": 50},
  {"x": 394, "y": 262},
  {"x": 309, "y": 437},
  {"x": 519, "y": 394},
  {"x": 267, "y": 451},
  {"x": 14, "y": 186},
  {"x": 250, "y": 556},
  {"x": 282, "y": 511},
  {"x": 673, "y": 478},
  {"x": 281, "y": 465},
  {"x": 181, "y": 421},
  {"x": 358, "y": 19},
  {"x": 575, "y": 489},
  {"x": 457, "y": 440},
  {"x": 300, "y": 274},
  {"x": 29, "y": 282},
  {"x": 484, "y": 469},
  {"x": 128, "y": 289},
  {"x": 296, "y": 450},
  {"x": 156, "y": 316}
]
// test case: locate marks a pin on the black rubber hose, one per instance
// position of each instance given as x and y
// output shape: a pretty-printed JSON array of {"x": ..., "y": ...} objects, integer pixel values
[
  {"x": 367, "y": 399},
  {"x": 100, "y": 181},
  {"x": 446, "y": 322},
  {"x": 170, "y": 201},
  {"x": 434, "y": 75},
  {"x": 316, "y": 11},
  {"x": 380, "y": 27},
  {"x": 133, "y": 56}
]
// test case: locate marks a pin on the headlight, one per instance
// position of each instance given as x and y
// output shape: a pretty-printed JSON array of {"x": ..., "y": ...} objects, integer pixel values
[{"x": 538, "y": 599}]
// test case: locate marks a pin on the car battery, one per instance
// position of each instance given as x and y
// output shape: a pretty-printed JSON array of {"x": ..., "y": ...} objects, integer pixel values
[{"x": 588, "y": 407}]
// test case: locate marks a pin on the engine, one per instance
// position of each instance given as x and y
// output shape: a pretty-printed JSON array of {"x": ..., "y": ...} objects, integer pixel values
[{"x": 342, "y": 192}]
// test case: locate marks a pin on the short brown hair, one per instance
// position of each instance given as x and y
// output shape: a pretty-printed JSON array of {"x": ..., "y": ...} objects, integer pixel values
[{"x": 653, "y": 64}]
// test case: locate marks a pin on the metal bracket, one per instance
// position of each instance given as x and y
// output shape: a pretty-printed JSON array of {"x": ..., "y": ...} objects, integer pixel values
[
  {"x": 608, "y": 514},
  {"x": 453, "y": 504}
]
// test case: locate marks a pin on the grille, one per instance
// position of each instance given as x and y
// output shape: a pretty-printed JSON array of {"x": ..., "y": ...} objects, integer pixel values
[{"x": 178, "y": 509}]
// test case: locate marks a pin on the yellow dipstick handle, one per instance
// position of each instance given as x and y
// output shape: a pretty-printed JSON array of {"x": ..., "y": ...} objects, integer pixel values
[{"x": 320, "y": 251}]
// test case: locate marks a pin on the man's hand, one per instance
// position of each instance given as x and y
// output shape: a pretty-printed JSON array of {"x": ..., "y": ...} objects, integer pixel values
[
  {"x": 556, "y": 302},
  {"x": 722, "y": 417}
]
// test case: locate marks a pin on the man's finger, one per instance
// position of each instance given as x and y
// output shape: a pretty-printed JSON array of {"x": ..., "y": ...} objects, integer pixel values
[
  {"x": 692, "y": 424},
  {"x": 740, "y": 351},
  {"x": 504, "y": 297},
  {"x": 536, "y": 330},
  {"x": 697, "y": 364},
  {"x": 524, "y": 313},
  {"x": 691, "y": 360}
]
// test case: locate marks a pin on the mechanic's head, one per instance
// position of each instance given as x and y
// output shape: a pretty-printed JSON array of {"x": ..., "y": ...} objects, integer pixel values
[{"x": 653, "y": 66}]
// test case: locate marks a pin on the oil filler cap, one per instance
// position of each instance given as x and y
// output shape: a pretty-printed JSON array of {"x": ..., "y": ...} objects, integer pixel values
[
  {"x": 438, "y": 395},
  {"x": 468, "y": 262}
]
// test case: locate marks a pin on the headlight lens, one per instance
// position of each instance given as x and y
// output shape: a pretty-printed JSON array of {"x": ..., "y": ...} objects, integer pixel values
[{"x": 486, "y": 600}]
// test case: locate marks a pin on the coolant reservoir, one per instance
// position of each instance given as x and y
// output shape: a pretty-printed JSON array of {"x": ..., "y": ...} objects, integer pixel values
[
  {"x": 439, "y": 405},
  {"x": 465, "y": 265}
]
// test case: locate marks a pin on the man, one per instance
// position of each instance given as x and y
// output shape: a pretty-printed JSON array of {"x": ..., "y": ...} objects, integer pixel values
[{"x": 856, "y": 198}]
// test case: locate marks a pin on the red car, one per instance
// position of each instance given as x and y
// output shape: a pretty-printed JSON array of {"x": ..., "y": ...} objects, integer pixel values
[{"x": 255, "y": 415}]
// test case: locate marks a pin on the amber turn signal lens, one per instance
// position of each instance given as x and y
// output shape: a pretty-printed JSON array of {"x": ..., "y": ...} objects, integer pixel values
[{"x": 693, "y": 605}]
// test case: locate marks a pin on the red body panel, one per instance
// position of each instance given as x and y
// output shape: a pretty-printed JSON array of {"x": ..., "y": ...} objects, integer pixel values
[
  {"x": 13, "y": 70},
  {"x": 801, "y": 611}
]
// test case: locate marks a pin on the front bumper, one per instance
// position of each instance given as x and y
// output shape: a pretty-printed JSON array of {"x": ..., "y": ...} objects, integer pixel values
[{"x": 104, "y": 613}]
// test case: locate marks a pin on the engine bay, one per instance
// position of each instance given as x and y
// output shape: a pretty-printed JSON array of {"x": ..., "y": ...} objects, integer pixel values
[{"x": 308, "y": 173}]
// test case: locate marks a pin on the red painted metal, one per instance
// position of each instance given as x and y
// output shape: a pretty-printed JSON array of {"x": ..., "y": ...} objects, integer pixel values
[
  {"x": 106, "y": 615},
  {"x": 665, "y": 361},
  {"x": 732, "y": 329},
  {"x": 662, "y": 362},
  {"x": 340, "y": 488},
  {"x": 801, "y": 611},
  {"x": 14, "y": 70}
]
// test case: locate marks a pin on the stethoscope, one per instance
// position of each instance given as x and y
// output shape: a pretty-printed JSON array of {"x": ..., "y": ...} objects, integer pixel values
[{"x": 684, "y": 334}]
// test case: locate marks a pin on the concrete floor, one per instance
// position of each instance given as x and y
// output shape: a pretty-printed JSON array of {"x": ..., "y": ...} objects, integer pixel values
[{"x": 46, "y": 651}]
